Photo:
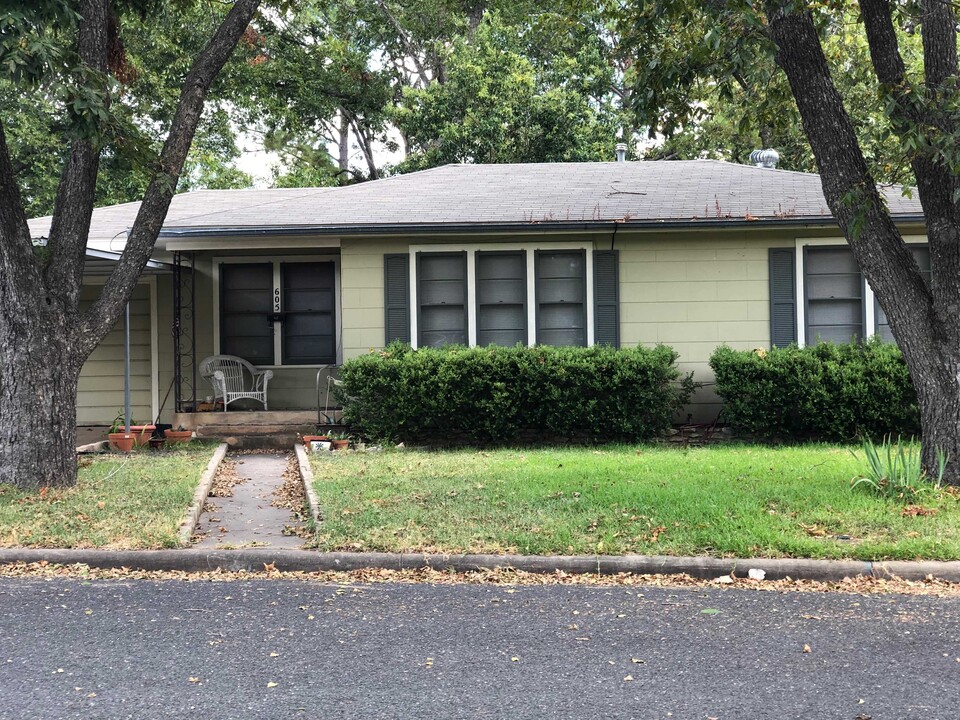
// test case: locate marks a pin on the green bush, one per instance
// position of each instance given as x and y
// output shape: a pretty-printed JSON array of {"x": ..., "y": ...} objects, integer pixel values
[
  {"x": 823, "y": 392},
  {"x": 497, "y": 395}
]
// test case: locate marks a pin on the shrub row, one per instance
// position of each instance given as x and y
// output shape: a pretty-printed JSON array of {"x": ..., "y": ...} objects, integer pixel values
[
  {"x": 498, "y": 395},
  {"x": 823, "y": 392}
]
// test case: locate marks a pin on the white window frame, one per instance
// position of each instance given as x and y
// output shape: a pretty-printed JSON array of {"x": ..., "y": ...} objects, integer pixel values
[
  {"x": 869, "y": 313},
  {"x": 530, "y": 255},
  {"x": 276, "y": 260}
]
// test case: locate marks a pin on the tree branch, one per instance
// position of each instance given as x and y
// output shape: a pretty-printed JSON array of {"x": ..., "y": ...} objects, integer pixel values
[
  {"x": 21, "y": 271},
  {"x": 75, "y": 194},
  {"x": 938, "y": 27},
  {"x": 408, "y": 45},
  {"x": 926, "y": 116},
  {"x": 143, "y": 236}
]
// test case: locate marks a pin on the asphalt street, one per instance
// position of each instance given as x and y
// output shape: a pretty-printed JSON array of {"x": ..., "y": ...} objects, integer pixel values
[{"x": 284, "y": 649}]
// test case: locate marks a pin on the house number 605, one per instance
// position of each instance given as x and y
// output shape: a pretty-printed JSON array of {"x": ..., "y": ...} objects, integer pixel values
[{"x": 276, "y": 300}]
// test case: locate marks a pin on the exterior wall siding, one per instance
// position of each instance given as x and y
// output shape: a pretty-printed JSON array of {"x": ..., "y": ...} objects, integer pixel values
[
  {"x": 362, "y": 300},
  {"x": 100, "y": 391},
  {"x": 695, "y": 293},
  {"x": 690, "y": 290}
]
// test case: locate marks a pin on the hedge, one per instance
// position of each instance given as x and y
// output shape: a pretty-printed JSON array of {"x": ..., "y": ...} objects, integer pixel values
[
  {"x": 504, "y": 395},
  {"x": 823, "y": 392}
]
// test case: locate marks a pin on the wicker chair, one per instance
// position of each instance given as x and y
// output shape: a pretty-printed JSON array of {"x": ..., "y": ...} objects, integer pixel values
[{"x": 233, "y": 378}]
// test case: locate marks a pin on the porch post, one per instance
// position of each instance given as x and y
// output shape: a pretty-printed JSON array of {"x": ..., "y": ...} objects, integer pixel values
[{"x": 126, "y": 367}]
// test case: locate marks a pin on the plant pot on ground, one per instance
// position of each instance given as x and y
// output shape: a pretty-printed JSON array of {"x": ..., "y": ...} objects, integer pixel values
[
  {"x": 177, "y": 436},
  {"x": 338, "y": 440},
  {"x": 142, "y": 433},
  {"x": 308, "y": 440},
  {"x": 121, "y": 441}
]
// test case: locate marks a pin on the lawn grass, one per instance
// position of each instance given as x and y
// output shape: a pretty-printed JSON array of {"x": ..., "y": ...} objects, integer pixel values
[
  {"x": 120, "y": 501},
  {"x": 742, "y": 500}
]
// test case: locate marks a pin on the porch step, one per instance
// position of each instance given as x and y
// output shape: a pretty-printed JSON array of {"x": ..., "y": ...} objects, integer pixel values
[{"x": 253, "y": 429}]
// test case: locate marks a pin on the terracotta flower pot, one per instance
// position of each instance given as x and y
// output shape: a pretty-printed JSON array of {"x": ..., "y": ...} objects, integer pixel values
[
  {"x": 340, "y": 444},
  {"x": 175, "y": 437},
  {"x": 123, "y": 442},
  {"x": 142, "y": 433}
]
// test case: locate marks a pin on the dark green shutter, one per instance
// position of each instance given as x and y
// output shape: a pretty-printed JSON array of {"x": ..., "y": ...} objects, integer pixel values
[
  {"x": 396, "y": 283},
  {"x": 783, "y": 297},
  {"x": 606, "y": 297}
]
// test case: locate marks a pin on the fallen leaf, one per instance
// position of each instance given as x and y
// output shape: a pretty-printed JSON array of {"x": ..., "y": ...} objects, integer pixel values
[
  {"x": 628, "y": 678},
  {"x": 271, "y": 684},
  {"x": 638, "y": 661},
  {"x": 806, "y": 649},
  {"x": 709, "y": 611},
  {"x": 515, "y": 659},
  {"x": 724, "y": 580},
  {"x": 194, "y": 679},
  {"x": 274, "y": 654}
]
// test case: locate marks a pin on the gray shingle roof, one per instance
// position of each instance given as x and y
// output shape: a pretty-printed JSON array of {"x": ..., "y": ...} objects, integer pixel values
[{"x": 492, "y": 195}]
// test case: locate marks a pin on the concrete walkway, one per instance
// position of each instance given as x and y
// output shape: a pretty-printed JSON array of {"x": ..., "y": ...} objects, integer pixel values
[{"x": 248, "y": 517}]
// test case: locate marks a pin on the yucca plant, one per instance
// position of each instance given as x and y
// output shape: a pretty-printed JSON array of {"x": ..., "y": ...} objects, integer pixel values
[{"x": 895, "y": 470}]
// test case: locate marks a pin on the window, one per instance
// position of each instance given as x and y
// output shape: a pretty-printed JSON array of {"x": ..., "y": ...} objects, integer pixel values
[
  {"x": 308, "y": 332},
  {"x": 835, "y": 290},
  {"x": 278, "y": 312},
  {"x": 442, "y": 309},
  {"x": 502, "y": 294},
  {"x": 501, "y": 298},
  {"x": 921, "y": 253},
  {"x": 561, "y": 298},
  {"x": 246, "y": 301},
  {"x": 834, "y": 302}
]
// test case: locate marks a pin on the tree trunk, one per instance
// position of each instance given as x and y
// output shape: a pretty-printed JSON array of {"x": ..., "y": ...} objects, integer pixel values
[
  {"x": 938, "y": 394},
  {"x": 38, "y": 416},
  {"x": 44, "y": 337},
  {"x": 925, "y": 321}
]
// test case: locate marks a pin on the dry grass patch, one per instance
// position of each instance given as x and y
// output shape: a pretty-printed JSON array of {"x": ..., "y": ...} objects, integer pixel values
[{"x": 131, "y": 501}]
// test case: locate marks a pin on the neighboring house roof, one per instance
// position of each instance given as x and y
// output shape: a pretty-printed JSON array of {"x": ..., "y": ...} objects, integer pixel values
[{"x": 477, "y": 197}]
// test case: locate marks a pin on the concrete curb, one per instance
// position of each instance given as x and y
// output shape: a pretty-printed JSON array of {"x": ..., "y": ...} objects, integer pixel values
[
  {"x": 190, "y": 520},
  {"x": 306, "y": 477},
  {"x": 254, "y": 559}
]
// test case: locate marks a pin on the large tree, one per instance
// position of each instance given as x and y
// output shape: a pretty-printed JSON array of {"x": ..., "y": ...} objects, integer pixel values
[
  {"x": 70, "y": 53},
  {"x": 920, "y": 104}
]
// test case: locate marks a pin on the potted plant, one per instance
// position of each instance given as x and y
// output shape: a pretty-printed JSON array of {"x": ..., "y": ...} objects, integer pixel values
[
  {"x": 141, "y": 433},
  {"x": 180, "y": 435},
  {"x": 339, "y": 440},
  {"x": 120, "y": 439},
  {"x": 315, "y": 442}
]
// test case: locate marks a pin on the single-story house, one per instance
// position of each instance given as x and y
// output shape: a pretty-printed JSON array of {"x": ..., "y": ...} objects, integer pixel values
[{"x": 687, "y": 253}]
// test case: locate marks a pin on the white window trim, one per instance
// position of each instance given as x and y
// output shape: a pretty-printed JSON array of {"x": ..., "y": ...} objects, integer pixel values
[
  {"x": 471, "y": 249},
  {"x": 275, "y": 260},
  {"x": 870, "y": 315}
]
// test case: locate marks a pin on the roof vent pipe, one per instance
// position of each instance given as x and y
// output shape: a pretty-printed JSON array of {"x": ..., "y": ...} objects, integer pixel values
[
  {"x": 765, "y": 158},
  {"x": 621, "y": 152}
]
